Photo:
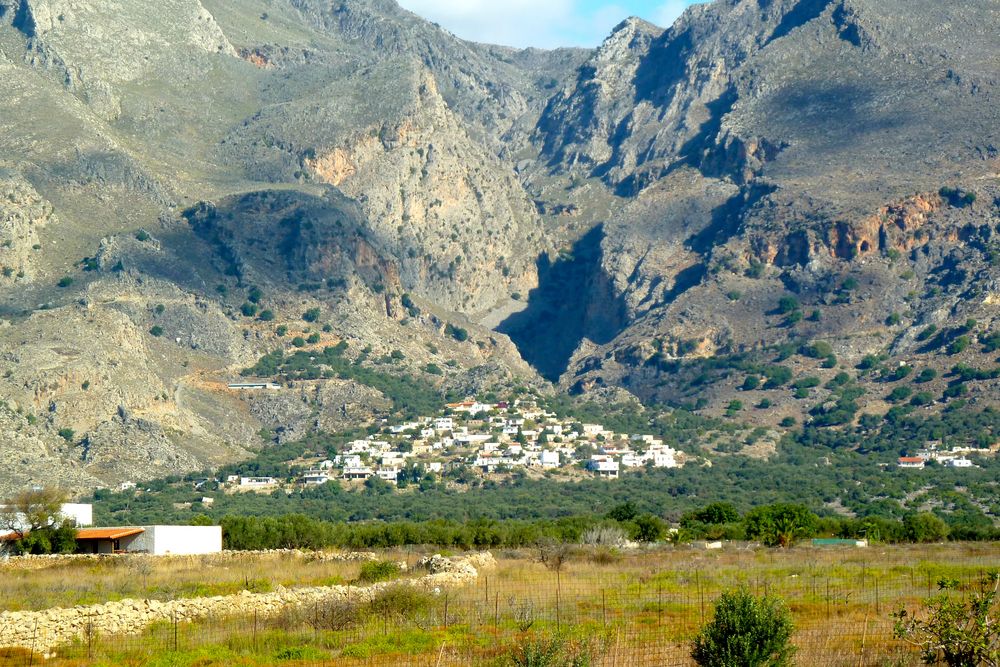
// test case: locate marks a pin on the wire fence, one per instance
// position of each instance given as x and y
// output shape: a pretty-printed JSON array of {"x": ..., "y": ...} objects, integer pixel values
[{"x": 558, "y": 617}]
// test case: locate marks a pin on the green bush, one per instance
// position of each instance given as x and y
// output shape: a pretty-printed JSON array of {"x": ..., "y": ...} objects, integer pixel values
[
  {"x": 458, "y": 333},
  {"x": 899, "y": 394},
  {"x": 311, "y": 315},
  {"x": 266, "y": 315},
  {"x": 746, "y": 631},
  {"x": 379, "y": 570},
  {"x": 924, "y": 527},
  {"x": 66, "y": 434},
  {"x": 299, "y": 341},
  {"x": 65, "y": 281},
  {"x": 156, "y": 330},
  {"x": 956, "y": 630}
]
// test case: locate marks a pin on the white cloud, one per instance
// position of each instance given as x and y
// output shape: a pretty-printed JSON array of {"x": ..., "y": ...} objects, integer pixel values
[{"x": 668, "y": 12}]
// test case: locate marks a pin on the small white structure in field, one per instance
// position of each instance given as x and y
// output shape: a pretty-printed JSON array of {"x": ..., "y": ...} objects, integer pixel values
[
  {"x": 154, "y": 540},
  {"x": 960, "y": 463},
  {"x": 550, "y": 459},
  {"x": 257, "y": 482}
]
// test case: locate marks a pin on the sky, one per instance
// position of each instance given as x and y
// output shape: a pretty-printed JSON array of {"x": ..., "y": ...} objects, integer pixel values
[{"x": 541, "y": 23}]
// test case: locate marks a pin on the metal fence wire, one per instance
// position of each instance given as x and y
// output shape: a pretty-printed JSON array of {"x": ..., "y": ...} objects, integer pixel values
[{"x": 558, "y": 617}]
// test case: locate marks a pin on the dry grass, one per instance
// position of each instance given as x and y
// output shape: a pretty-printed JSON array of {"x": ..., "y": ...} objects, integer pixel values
[
  {"x": 625, "y": 609},
  {"x": 84, "y": 582}
]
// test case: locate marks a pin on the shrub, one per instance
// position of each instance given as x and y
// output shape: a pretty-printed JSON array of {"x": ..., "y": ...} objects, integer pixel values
[
  {"x": 959, "y": 345},
  {"x": 958, "y": 631},
  {"x": 433, "y": 369},
  {"x": 926, "y": 375},
  {"x": 313, "y": 338},
  {"x": 458, "y": 333},
  {"x": 787, "y": 422},
  {"x": 379, "y": 570},
  {"x": 924, "y": 527},
  {"x": 311, "y": 315},
  {"x": 899, "y": 394},
  {"x": 745, "y": 631},
  {"x": 781, "y": 524},
  {"x": 817, "y": 350},
  {"x": 142, "y": 235},
  {"x": 281, "y": 330},
  {"x": 751, "y": 382},
  {"x": 156, "y": 330},
  {"x": 604, "y": 536},
  {"x": 266, "y": 315},
  {"x": 255, "y": 295},
  {"x": 66, "y": 434},
  {"x": 926, "y": 333},
  {"x": 553, "y": 652},
  {"x": 248, "y": 309},
  {"x": 65, "y": 281},
  {"x": 299, "y": 341}
]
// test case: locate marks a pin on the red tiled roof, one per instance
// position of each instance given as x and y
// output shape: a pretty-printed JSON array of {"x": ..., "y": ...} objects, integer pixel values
[
  {"x": 107, "y": 533},
  {"x": 910, "y": 459}
]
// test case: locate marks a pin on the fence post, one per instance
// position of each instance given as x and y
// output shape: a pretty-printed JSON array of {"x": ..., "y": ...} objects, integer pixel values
[
  {"x": 604, "y": 609},
  {"x": 34, "y": 635},
  {"x": 496, "y": 611},
  {"x": 255, "y": 630},
  {"x": 558, "y": 588},
  {"x": 446, "y": 611},
  {"x": 175, "y": 632},
  {"x": 659, "y": 604}
]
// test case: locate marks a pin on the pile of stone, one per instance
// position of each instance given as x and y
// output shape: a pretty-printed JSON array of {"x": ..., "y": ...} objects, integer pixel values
[{"x": 42, "y": 631}]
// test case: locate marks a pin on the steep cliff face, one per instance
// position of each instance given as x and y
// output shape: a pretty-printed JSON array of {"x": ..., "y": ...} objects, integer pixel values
[
  {"x": 775, "y": 148},
  {"x": 22, "y": 213},
  {"x": 452, "y": 213}
]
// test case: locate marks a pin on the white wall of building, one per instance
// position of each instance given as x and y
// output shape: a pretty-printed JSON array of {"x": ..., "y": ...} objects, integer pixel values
[
  {"x": 178, "y": 540},
  {"x": 81, "y": 513}
]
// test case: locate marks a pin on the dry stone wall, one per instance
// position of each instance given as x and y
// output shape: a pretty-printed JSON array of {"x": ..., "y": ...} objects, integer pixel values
[{"x": 42, "y": 631}]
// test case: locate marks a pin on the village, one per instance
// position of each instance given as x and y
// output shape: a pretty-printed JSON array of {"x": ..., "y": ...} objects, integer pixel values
[{"x": 487, "y": 439}]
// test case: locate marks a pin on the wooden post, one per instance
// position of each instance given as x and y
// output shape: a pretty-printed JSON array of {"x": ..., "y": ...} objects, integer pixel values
[
  {"x": 558, "y": 589},
  {"x": 496, "y": 611},
  {"x": 659, "y": 604},
  {"x": 34, "y": 635},
  {"x": 604, "y": 608}
]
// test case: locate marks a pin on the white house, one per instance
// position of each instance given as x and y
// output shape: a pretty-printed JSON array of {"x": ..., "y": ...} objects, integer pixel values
[
  {"x": 257, "y": 482},
  {"x": 604, "y": 466},
  {"x": 357, "y": 472},
  {"x": 315, "y": 477},
  {"x": 910, "y": 462},
  {"x": 155, "y": 540},
  {"x": 549, "y": 459},
  {"x": 960, "y": 463},
  {"x": 388, "y": 474}
]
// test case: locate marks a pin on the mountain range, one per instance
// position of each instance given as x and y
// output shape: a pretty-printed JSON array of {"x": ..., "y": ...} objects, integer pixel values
[{"x": 188, "y": 185}]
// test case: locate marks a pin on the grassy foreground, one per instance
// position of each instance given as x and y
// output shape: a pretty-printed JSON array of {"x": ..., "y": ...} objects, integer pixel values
[{"x": 598, "y": 606}]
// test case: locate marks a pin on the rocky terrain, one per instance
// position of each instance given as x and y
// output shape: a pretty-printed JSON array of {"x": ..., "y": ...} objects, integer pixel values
[{"x": 187, "y": 186}]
